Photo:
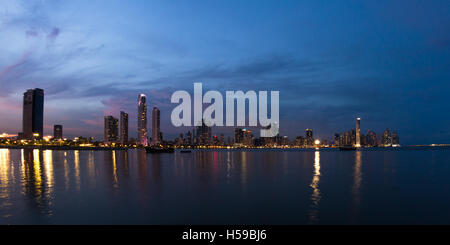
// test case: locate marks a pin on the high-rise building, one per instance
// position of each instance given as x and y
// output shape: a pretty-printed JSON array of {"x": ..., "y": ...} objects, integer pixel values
[
  {"x": 238, "y": 136},
  {"x": 188, "y": 138},
  {"x": 156, "y": 136},
  {"x": 123, "y": 128},
  {"x": 371, "y": 138},
  {"x": 348, "y": 138},
  {"x": 395, "y": 138},
  {"x": 309, "y": 137},
  {"x": 203, "y": 134},
  {"x": 57, "y": 132},
  {"x": 215, "y": 140},
  {"x": 142, "y": 120},
  {"x": 387, "y": 138},
  {"x": 33, "y": 114},
  {"x": 358, "y": 132},
  {"x": 337, "y": 140},
  {"x": 300, "y": 141},
  {"x": 180, "y": 140},
  {"x": 111, "y": 129},
  {"x": 248, "y": 137}
]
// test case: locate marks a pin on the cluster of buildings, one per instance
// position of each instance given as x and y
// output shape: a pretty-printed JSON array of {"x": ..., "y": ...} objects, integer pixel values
[
  {"x": 371, "y": 139},
  {"x": 352, "y": 138},
  {"x": 201, "y": 136},
  {"x": 116, "y": 131}
]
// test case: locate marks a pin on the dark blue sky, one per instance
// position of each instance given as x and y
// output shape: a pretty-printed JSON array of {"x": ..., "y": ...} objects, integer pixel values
[{"x": 332, "y": 61}]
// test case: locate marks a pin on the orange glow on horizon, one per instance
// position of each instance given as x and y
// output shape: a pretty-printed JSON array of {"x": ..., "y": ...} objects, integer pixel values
[{"x": 6, "y": 135}]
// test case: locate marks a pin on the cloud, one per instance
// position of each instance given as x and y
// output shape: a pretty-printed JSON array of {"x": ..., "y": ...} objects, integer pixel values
[
  {"x": 32, "y": 33},
  {"x": 53, "y": 34},
  {"x": 17, "y": 64}
]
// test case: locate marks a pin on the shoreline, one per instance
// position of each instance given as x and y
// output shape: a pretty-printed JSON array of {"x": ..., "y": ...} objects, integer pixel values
[
  {"x": 66, "y": 148},
  {"x": 100, "y": 148}
]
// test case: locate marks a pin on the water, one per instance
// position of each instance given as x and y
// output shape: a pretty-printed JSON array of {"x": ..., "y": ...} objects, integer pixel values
[{"x": 407, "y": 186}]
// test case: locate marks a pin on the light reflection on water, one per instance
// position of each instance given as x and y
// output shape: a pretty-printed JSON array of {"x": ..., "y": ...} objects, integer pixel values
[
  {"x": 356, "y": 189},
  {"x": 315, "y": 196},
  {"x": 224, "y": 187},
  {"x": 5, "y": 178}
]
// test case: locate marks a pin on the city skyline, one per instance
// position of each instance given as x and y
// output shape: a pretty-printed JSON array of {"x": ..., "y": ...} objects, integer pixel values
[
  {"x": 116, "y": 131},
  {"x": 387, "y": 67}
]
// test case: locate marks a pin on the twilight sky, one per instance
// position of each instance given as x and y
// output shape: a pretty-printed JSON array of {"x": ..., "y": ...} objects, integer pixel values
[{"x": 384, "y": 61}]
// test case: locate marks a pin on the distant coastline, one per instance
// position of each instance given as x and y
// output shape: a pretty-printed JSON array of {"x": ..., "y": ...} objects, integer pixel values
[
  {"x": 64, "y": 148},
  {"x": 107, "y": 148}
]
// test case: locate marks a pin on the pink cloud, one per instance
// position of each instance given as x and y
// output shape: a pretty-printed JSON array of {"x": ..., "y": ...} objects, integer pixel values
[
  {"x": 21, "y": 61},
  {"x": 97, "y": 122}
]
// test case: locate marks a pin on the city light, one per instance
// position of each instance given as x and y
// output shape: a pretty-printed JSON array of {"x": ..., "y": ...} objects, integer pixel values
[
  {"x": 47, "y": 138},
  {"x": 6, "y": 135}
]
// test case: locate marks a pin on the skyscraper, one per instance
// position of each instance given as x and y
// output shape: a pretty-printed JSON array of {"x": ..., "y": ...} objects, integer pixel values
[
  {"x": 238, "y": 135},
  {"x": 248, "y": 137},
  {"x": 156, "y": 139},
  {"x": 371, "y": 138},
  {"x": 358, "y": 132},
  {"x": 395, "y": 138},
  {"x": 33, "y": 114},
  {"x": 387, "y": 138},
  {"x": 57, "y": 132},
  {"x": 337, "y": 139},
  {"x": 123, "y": 128},
  {"x": 309, "y": 137},
  {"x": 142, "y": 120},
  {"x": 299, "y": 141},
  {"x": 203, "y": 134},
  {"x": 188, "y": 138},
  {"x": 111, "y": 129}
]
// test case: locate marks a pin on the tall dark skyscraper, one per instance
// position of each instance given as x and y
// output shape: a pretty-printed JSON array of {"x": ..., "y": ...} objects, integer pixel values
[
  {"x": 142, "y": 120},
  {"x": 57, "y": 132},
  {"x": 123, "y": 128},
  {"x": 309, "y": 137},
  {"x": 33, "y": 114},
  {"x": 238, "y": 135},
  {"x": 111, "y": 129},
  {"x": 156, "y": 129}
]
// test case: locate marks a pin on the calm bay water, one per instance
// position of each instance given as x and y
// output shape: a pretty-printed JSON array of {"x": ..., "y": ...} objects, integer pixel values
[{"x": 401, "y": 186}]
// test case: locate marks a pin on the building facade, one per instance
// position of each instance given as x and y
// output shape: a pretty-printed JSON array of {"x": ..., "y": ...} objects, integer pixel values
[
  {"x": 123, "y": 128},
  {"x": 33, "y": 114},
  {"x": 111, "y": 130},
  {"x": 156, "y": 127},
  {"x": 142, "y": 121},
  {"x": 57, "y": 132},
  {"x": 358, "y": 132},
  {"x": 309, "y": 137}
]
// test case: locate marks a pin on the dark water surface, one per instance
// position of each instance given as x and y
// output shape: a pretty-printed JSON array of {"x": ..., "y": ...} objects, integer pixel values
[{"x": 403, "y": 186}]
